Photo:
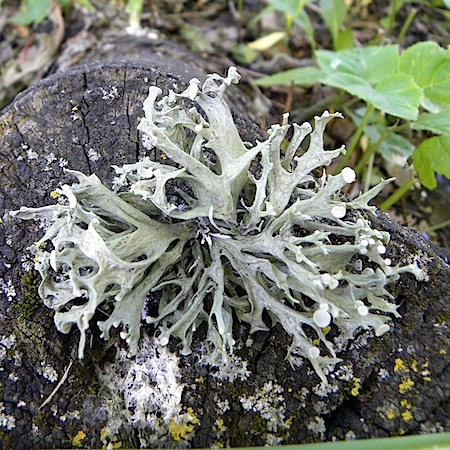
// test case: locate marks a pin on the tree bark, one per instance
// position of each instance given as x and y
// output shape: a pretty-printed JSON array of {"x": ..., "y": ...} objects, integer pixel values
[{"x": 85, "y": 118}]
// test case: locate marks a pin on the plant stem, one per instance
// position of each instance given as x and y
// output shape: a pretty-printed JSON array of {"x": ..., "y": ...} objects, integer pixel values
[
  {"x": 369, "y": 172},
  {"x": 134, "y": 9},
  {"x": 374, "y": 148},
  {"x": 397, "y": 195},
  {"x": 240, "y": 5},
  {"x": 438, "y": 226},
  {"x": 356, "y": 137},
  {"x": 406, "y": 25},
  {"x": 391, "y": 15},
  {"x": 370, "y": 152}
]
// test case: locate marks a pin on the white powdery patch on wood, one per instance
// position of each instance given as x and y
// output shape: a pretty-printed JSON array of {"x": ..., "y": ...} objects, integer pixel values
[{"x": 144, "y": 392}]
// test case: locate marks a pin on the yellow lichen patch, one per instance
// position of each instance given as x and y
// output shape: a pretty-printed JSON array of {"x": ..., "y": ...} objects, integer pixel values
[
  {"x": 407, "y": 416},
  {"x": 182, "y": 430},
  {"x": 413, "y": 365},
  {"x": 405, "y": 403},
  {"x": 109, "y": 440},
  {"x": 356, "y": 385},
  {"x": 220, "y": 424},
  {"x": 199, "y": 379},
  {"x": 192, "y": 417},
  {"x": 442, "y": 351},
  {"x": 55, "y": 194},
  {"x": 288, "y": 421},
  {"x": 163, "y": 156},
  {"x": 77, "y": 440},
  {"x": 406, "y": 385},
  {"x": 391, "y": 414},
  {"x": 105, "y": 433},
  {"x": 400, "y": 365}
]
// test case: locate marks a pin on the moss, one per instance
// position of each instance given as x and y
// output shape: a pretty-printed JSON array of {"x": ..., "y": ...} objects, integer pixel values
[
  {"x": 259, "y": 425},
  {"x": 41, "y": 420},
  {"x": 31, "y": 301},
  {"x": 239, "y": 389},
  {"x": 6, "y": 439}
]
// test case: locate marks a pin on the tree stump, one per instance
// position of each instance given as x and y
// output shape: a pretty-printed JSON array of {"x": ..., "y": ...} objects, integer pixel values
[{"x": 85, "y": 118}]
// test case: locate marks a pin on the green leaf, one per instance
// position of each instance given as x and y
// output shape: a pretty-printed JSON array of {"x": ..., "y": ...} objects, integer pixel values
[
  {"x": 432, "y": 155},
  {"x": 399, "y": 95},
  {"x": 303, "y": 21},
  {"x": 333, "y": 13},
  {"x": 370, "y": 63},
  {"x": 32, "y": 11},
  {"x": 344, "y": 40},
  {"x": 396, "y": 94},
  {"x": 437, "y": 123},
  {"x": 429, "y": 64},
  {"x": 243, "y": 54},
  {"x": 396, "y": 149},
  {"x": 303, "y": 76},
  {"x": 268, "y": 41},
  {"x": 291, "y": 7}
]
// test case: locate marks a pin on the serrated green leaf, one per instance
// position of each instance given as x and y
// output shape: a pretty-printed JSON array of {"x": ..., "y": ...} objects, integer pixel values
[
  {"x": 432, "y": 155},
  {"x": 32, "y": 11},
  {"x": 396, "y": 94},
  {"x": 437, "y": 123},
  {"x": 429, "y": 64},
  {"x": 399, "y": 95},
  {"x": 303, "y": 76},
  {"x": 370, "y": 64}
]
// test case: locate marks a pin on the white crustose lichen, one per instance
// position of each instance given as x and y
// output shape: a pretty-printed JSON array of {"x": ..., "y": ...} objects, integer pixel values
[{"x": 219, "y": 229}]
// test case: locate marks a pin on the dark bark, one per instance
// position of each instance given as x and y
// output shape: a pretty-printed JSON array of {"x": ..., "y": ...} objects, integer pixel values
[{"x": 94, "y": 109}]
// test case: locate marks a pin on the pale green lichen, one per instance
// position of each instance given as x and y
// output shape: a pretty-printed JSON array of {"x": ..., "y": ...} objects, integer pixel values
[{"x": 221, "y": 225}]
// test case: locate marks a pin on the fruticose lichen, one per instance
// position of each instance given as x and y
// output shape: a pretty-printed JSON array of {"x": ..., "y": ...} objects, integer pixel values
[{"x": 219, "y": 230}]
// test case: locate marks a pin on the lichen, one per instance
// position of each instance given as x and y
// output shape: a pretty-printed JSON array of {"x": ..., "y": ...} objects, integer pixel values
[{"x": 218, "y": 229}]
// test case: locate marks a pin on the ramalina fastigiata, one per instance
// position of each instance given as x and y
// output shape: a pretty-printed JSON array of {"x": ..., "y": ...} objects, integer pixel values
[{"x": 220, "y": 230}]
